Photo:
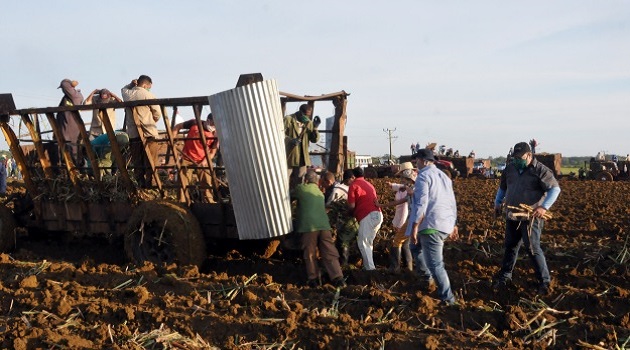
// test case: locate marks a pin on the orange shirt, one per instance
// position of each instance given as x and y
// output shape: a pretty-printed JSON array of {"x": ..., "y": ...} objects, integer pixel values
[{"x": 193, "y": 149}]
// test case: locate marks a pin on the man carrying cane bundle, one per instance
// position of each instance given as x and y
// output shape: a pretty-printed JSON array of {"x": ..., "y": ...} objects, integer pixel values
[{"x": 525, "y": 183}]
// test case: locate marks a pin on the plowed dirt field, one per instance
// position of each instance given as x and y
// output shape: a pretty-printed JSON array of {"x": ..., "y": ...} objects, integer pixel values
[{"x": 59, "y": 292}]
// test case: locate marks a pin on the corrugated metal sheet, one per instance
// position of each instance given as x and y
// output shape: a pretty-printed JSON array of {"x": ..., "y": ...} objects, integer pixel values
[{"x": 250, "y": 126}]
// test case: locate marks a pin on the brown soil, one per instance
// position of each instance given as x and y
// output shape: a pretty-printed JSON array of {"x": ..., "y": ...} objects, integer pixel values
[{"x": 60, "y": 292}]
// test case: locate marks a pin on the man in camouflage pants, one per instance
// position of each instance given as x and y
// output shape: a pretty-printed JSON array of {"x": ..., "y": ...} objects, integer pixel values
[{"x": 345, "y": 226}]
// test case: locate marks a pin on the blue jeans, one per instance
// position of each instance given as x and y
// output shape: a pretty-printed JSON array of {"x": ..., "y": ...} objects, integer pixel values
[
  {"x": 432, "y": 251},
  {"x": 516, "y": 233},
  {"x": 420, "y": 267}
]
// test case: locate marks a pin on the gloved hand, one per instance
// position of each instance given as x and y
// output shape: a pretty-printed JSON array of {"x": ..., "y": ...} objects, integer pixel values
[
  {"x": 316, "y": 121},
  {"x": 294, "y": 142},
  {"x": 497, "y": 212}
]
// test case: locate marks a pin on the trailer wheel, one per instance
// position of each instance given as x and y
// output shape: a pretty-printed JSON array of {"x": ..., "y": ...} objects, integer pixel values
[
  {"x": 7, "y": 229},
  {"x": 163, "y": 232},
  {"x": 604, "y": 176}
]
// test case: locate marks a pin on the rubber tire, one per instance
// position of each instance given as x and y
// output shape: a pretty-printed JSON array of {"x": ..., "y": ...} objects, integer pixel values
[
  {"x": 604, "y": 176},
  {"x": 7, "y": 229},
  {"x": 179, "y": 230}
]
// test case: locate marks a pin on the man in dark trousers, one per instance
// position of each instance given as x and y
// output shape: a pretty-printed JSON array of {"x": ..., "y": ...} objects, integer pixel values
[
  {"x": 314, "y": 228},
  {"x": 140, "y": 89},
  {"x": 525, "y": 181},
  {"x": 432, "y": 220},
  {"x": 67, "y": 123}
]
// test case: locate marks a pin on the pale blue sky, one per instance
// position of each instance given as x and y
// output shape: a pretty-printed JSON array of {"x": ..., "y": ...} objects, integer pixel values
[{"x": 479, "y": 75}]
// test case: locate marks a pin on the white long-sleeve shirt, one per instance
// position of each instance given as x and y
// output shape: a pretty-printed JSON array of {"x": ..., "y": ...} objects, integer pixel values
[{"x": 402, "y": 210}]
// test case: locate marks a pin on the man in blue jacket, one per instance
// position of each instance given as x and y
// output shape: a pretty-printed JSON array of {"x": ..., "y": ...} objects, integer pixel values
[{"x": 432, "y": 219}]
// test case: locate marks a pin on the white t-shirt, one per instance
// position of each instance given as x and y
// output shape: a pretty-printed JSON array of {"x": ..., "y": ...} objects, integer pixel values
[{"x": 339, "y": 192}]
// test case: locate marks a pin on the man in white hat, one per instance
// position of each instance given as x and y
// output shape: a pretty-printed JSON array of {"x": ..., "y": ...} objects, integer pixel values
[{"x": 402, "y": 200}]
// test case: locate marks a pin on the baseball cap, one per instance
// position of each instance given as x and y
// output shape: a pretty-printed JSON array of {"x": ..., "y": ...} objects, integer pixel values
[
  {"x": 520, "y": 149},
  {"x": 425, "y": 154}
]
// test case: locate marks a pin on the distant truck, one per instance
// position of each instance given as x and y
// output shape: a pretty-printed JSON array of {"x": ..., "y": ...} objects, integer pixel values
[
  {"x": 553, "y": 161},
  {"x": 482, "y": 169},
  {"x": 443, "y": 163},
  {"x": 607, "y": 170}
]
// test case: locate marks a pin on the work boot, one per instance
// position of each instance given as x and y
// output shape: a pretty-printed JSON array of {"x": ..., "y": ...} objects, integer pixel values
[
  {"x": 543, "y": 289},
  {"x": 313, "y": 283},
  {"x": 339, "y": 282},
  {"x": 394, "y": 259},
  {"x": 408, "y": 257},
  {"x": 344, "y": 255},
  {"x": 499, "y": 283}
]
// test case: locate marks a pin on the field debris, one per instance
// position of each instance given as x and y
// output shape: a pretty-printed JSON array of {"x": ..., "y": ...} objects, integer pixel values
[{"x": 78, "y": 293}]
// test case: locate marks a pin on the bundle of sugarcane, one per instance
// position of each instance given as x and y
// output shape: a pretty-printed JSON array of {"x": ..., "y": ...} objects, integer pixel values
[{"x": 524, "y": 210}]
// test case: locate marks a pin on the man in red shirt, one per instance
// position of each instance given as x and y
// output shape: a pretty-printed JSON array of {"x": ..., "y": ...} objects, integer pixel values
[
  {"x": 193, "y": 153},
  {"x": 362, "y": 202}
]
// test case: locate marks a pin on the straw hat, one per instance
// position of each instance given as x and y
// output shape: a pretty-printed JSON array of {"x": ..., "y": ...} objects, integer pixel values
[
  {"x": 404, "y": 166},
  {"x": 407, "y": 171}
]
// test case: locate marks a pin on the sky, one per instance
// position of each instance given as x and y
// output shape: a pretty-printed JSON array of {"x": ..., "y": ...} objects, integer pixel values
[{"x": 471, "y": 75}]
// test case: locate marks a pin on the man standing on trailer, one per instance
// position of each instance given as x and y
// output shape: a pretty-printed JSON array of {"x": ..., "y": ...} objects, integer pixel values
[
  {"x": 98, "y": 97},
  {"x": 299, "y": 130},
  {"x": 67, "y": 122},
  {"x": 140, "y": 89}
]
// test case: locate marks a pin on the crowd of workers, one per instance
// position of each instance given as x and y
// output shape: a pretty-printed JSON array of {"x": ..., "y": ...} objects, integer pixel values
[
  {"x": 426, "y": 210},
  {"x": 425, "y": 218},
  {"x": 129, "y": 138}
]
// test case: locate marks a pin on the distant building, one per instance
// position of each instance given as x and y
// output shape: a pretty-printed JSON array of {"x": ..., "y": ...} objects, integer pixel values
[{"x": 362, "y": 161}]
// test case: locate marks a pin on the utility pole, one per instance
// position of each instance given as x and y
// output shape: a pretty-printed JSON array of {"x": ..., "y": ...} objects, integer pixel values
[{"x": 390, "y": 137}]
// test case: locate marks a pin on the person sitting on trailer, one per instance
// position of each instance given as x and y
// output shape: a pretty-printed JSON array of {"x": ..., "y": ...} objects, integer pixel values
[
  {"x": 103, "y": 150},
  {"x": 193, "y": 151}
]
